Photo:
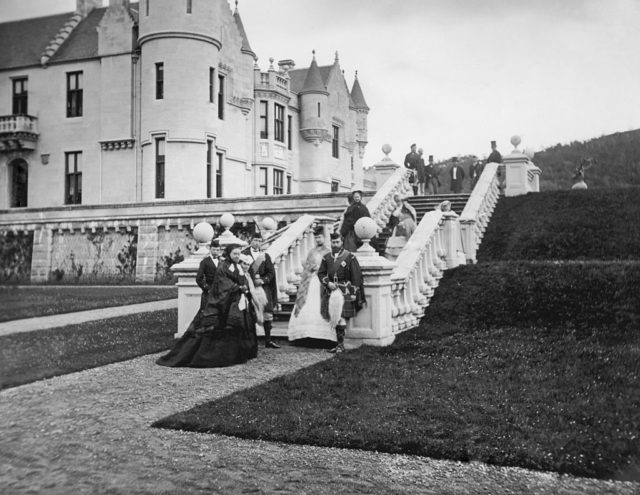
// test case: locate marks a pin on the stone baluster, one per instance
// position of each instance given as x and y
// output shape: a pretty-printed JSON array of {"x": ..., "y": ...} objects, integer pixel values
[{"x": 281, "y": 278}]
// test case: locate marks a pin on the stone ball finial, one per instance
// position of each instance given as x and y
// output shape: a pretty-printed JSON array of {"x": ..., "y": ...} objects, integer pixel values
[
  {"x": 366, "y": 228},
  {"x": 515, "y": 141},
  {"x": 269, "y": 224},
  {"x": 203, "y": 233},
  {"x": 529, "y": 152},
  {"x": 386, "y": 149},
  {"x": 227, "y": 220}
]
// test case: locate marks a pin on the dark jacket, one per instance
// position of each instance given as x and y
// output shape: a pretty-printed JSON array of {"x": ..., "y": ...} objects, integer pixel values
[
  {"x": 264, "y": 268},
  {"x": 206, "y": 273}
]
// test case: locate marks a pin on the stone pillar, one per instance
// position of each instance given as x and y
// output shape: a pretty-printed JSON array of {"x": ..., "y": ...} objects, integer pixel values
[
  {"x": 452, "y": 240},
  {"x": 41, "y": 255},
  {"x": 147, "y": 255},
  {"x": 385, "y": 168},
  {"x": 372, "y": 325},
  {"x": 188, "y": 291}
]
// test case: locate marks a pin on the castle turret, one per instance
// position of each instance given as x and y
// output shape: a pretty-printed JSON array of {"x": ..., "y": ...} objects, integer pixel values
[
  {"x": 314, "y": 100},
  {"x": 180, "y": 93},
  {"x": 362, "y": 112}
]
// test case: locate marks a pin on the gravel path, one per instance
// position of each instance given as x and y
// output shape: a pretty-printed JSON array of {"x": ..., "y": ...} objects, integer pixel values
[{"x": 88, "y": 433}]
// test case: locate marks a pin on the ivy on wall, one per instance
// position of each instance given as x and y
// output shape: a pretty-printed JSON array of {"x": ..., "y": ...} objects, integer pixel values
[{"x": 15, "y": 256}]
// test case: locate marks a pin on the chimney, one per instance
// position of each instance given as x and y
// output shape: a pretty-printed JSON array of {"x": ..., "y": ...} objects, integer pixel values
[
  {"x": 286, "y": 65},
  {"x": 83, "y": 7}
]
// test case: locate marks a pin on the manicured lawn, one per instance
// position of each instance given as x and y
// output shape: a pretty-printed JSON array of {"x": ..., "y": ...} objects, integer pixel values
[
  {"x": 30, "y": 356},
  {"x": 527, "y": 397},
  {"x": 27, "y": 302}
]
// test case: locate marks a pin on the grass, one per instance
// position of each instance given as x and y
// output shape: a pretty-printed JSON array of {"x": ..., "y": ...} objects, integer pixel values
[
  {"x": 30, "y": 356},
  {"x": 27, "y": 302},
  {"x": 528, "y": 397}
]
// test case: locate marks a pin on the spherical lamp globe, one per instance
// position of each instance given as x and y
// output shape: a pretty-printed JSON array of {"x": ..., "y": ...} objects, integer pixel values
[
  {"x": 515, "y": 141},
  {"x": 269, "y": 224}
]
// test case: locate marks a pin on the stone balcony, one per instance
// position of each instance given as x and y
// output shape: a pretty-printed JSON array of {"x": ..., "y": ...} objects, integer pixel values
[{"x": 18, "y": 132}]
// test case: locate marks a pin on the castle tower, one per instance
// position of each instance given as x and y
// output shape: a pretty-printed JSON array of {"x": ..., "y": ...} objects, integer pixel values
[
  {"x": 362, "y": 112},
  {"x": 182, "y": 94},
  {"x": 314, "y": 127}
]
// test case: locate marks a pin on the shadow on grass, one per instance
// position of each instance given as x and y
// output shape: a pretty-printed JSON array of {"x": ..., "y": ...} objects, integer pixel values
[
  {"x": 529, "y": 397},
  {"x": 30, "y": 356}
]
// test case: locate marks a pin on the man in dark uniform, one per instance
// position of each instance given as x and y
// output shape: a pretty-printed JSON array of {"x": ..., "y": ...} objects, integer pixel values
[
  {"x": 340, "y": 270},
  {"x": 421, "y": 173},
  {"x": 456, "y": 174},
  {"x": 354, "y": 212},
  {"x": 496, "y": 157},
  {"x": 207, "y": 271},
  {"x": 411, "y": 162},
  {"x": 264, "y": 274},
  {"x": 431, "y": 172}
]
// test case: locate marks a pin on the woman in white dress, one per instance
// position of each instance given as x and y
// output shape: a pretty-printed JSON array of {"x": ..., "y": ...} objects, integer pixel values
[{"x": 306, "y": 321}]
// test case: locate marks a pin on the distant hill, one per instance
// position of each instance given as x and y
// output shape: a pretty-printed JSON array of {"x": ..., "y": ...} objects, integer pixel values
[{"x": 617, "y": 156}]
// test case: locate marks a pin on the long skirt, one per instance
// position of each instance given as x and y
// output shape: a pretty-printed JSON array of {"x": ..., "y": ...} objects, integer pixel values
[
  {"x": 210, "y": 347},
  {"x": 309, "y": 323}
]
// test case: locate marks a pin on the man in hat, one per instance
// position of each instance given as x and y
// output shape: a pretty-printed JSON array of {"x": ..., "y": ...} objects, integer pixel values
[
  {"x": 264, "y": 274},
  {"x": 340, "y": 270},
  {"x": 495, "y": 156},
  {"x": 207, "y": 271},
  {"x": 354, "y": 212},
  {"x": 411, "y": 162},
  {"x": 431, "y": 173},
  {"x": 475, "y": 171},
  {"x": 456, "y": 174},
  {"x": 421, "y": 173}
]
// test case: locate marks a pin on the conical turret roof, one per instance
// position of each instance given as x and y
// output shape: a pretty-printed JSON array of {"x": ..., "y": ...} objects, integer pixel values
[
  {"x": 357, "y": 96},
  {"x": 246, "y": 47},
  {"x": 313, "y": 83}
]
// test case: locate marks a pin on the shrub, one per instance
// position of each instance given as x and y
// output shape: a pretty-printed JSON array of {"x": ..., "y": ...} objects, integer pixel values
[{"x": 585, "y": 297}]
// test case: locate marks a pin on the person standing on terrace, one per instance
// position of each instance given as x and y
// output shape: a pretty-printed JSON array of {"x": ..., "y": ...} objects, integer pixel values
[
  {"x": 355, "y": 211},
  {"x": 411, "y": 162}
]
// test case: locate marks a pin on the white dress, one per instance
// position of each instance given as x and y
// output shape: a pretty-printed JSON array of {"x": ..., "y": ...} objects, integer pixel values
[{"x": 308, "y": 323}]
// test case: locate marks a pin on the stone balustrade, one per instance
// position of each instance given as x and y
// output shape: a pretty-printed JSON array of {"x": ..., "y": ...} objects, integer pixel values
[
  {"x": 417, "y": 272},
  {"x": 382, "y": 204},
  {"x": 478, "y": 210}
]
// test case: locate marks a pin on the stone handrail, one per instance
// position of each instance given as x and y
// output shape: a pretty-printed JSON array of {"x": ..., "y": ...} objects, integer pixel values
[
  {"x": 418, "y": 270},
  {"x": 478, "y": 210},
  {"x": 382, "y": 205},
  {"x": 289, "y": 251}
]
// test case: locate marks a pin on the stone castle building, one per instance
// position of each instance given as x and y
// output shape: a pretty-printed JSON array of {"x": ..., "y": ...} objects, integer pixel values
[{"x": 163, "y": 100}]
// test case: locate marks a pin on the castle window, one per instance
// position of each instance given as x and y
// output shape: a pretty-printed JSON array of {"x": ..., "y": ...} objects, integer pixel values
[
  {"x": 209, "y": 167},
  {"x": 219, "y": 175},
  {"x": 278, "y": 182},
  {"x": 334, "y": 185},
  {"x": 74, "y": 94},
  {"x": 289, "y": 131},
  {"x": 146, "y": 2},
  {"x": 288, "y": 184},
  {"x": 335, "y": 143},
  {"x": 278, "y": 123},
  {"x": 20, "y": 96},
  {"x": 73, "y": 178},
  {"x": 159, "y": 81},
  {"x": 221, "y": 97},
  {"x": 212, "y": 84},
  {"x": 351, "y": 162},
  {"x": 189, "y": 6},
  {"x": 19, "y": 171},
  {"x": 160, "y": 145},
  {"x": 319, "y": 110},
  {"x": 264, "y": 119},
  {"x": 263, "y": 180}
]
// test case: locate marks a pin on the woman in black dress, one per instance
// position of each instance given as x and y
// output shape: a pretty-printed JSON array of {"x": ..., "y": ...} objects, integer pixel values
[{"x": 224, "y": 333}]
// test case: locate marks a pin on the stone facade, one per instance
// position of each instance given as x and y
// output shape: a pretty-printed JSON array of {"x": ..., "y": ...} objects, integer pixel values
[{"x": 173, "y": 107}]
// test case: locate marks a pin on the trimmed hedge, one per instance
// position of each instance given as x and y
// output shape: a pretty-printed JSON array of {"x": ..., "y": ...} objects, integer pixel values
[
  {"x": 565, "y": 225},
  {"x": 585, "y": 297}
]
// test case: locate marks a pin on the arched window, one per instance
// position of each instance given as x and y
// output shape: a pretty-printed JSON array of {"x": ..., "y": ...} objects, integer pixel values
[{"x": 19, "y": 172}]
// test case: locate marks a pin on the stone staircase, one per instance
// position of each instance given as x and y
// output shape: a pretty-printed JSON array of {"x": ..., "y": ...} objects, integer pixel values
[{"x": 422, "y": 204}]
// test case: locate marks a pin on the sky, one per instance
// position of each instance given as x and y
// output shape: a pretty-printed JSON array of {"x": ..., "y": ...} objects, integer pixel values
[{"x": 452, "y": 75}]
